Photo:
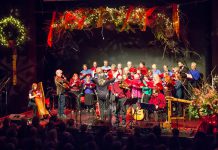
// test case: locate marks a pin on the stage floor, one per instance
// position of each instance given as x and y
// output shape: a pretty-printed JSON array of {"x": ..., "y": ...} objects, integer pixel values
[{"x": 187, "y": 127}]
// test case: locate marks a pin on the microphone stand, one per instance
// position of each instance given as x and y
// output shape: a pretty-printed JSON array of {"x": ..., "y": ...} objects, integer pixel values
[{"x": 5, "y": 85}]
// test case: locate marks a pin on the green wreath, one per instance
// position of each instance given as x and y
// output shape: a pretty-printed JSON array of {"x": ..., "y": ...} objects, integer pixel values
[{"x": 12, "y": 29}]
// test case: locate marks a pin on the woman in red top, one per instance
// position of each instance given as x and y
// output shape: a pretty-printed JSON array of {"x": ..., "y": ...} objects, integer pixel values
[
  {"x": 168, "y": 84},
  {"x": 112, "y": 71},
  {"x": 157, "y": 83},
  {"x": 119, "y": 69},
  {"x": 75, "y": 89},
  {"x": 158, "y": 99},
  {"x": 142, "y": 68},
  {"x": 94, "y": 67},
  {"x": 127, "y": 82}
]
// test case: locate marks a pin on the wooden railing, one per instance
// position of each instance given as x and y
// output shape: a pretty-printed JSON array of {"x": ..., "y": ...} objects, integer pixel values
[{"x": 169, "y": 109}]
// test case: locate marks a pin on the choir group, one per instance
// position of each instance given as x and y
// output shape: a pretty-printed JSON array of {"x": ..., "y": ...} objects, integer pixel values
[
  {"x": 117, "y": 84},
  {"x": 123, "y": 87}
]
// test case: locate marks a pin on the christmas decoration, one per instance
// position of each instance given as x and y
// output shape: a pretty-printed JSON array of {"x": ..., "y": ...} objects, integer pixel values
[
  {"x": 49, "y": 39},
  {"x": 176, "y": 23},
  {"x": 12, "y": 29},
  {"x": 164, "y": 24},
  {"x": 124, "y": 18}
]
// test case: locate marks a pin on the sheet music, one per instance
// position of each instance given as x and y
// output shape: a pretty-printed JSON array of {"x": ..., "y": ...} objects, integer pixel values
[{"x": 189, "y": 76}]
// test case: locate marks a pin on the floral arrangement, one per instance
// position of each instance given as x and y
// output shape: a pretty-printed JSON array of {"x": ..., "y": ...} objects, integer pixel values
[{"x": 205, "y": 103}]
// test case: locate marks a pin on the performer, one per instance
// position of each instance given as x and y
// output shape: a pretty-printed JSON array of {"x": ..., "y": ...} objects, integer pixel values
[
  {"x": 36, "y": 96},
  {"x": 129, "y": 64},
  {"x": 99, "y": 71},
  {"x": 178, "y": 87},
  {"x": 110, "y": 75},
  {"x": 120, "y": 98},
  {"x": 150, "y": 75},
  {"x": 168, "y": 85},
  {"x": 143, "y": 68},
  {"x": 103, "y": 93},
  {"x": 112, "y": 71},
  {"x": 106, "y": 68},
  {"x": 146, "y": 90},
  {"x": 126, "y": 85},
  {"x": 132, "y": 70},
  {"x": 167, "y": 71},
  {"x": 137, "y": 87},
  {"x": 84, "y": 72},
  {"x": 119, "y": 69},
  {"x": 33, "y": 93},
  {"x": 126, "y": 72},
  {"x": 88, "y": 87},
  {"x": 138, "y": 71},
  {"x": 158, "y": 99},
  {"x": 61, "y": 84},
  {"x": 183, "y": 71},
  {"x": 195, "y": 75},
  {"x": 94, "y": 67},
  {"x": 75, "y": 90},
  {"x": 157, "y": 83},
  {"x": 155, "y": 70}
]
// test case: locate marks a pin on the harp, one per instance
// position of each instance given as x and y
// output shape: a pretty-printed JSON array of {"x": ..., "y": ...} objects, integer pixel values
[{"x": 40, "y": 101}]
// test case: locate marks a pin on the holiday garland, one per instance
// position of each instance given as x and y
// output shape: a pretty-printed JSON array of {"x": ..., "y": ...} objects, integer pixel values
[
  {"x": 123, "y": 18},
  {"x": 12, "y": 29},
  {"x": 163, "y": 21}
]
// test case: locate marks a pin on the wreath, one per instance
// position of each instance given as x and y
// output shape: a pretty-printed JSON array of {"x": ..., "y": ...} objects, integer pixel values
[{"x": 11, "y": 29}]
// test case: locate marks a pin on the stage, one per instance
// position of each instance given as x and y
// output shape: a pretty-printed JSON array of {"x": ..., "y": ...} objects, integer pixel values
[{"x": 187, "y": 127}]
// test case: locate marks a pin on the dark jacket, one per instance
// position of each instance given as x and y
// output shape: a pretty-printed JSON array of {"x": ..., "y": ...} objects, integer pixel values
[
  {"x": 59, "y": 82},
  {"x": 102, "y": 90},
  {"x": 178, "y": 89}
]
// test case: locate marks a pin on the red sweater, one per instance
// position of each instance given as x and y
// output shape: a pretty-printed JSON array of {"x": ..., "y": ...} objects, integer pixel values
[
  {"x": 116, "y": 90},
  {"x": 110, "y": 74},
  {"x": 128, "y": 92},
  {"x": 143, "y": 70},
  {"x": 158, "y": 100},
  {"x": 75, "y": 85}
]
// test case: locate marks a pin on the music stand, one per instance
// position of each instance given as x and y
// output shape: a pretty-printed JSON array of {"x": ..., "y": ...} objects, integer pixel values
[
  {"x": 148, "y": 107},
  {"x": 78, "y": 109},
  {"x": 131, "y": 102}
]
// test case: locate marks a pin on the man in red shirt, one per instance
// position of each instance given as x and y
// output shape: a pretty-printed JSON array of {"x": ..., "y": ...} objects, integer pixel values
[{"x": 120, "y": 100}]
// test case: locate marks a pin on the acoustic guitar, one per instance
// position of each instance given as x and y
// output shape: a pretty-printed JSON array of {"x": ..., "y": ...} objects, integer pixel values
[{"x": 138, "y": 114}]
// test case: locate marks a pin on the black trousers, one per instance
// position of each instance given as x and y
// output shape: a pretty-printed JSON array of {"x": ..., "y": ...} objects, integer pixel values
[
  {"x": 33, "y": 106},
  {"x": 74, "y": 100},
  {"x": 104, "y": 109},
  {"x": 120, "y": 109}
]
